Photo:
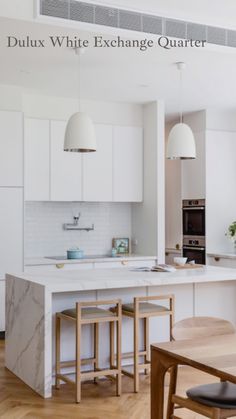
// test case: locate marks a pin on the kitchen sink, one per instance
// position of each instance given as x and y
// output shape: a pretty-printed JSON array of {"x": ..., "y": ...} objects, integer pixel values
[{"x": 84, "y": 257}]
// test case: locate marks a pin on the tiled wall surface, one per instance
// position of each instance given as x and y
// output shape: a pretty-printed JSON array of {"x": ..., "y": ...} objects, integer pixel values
[{"x": 44, "y": 234}]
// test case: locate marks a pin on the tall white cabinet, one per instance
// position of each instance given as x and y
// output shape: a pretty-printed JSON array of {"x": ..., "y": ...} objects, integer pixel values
[
  {"x": 127, "y": 164},
  {"x": 66, "y": 168},
  {"x": 11, "y": 200},
  {"x": 37, "y": 159},
  {"x": 97, "y": 167}
]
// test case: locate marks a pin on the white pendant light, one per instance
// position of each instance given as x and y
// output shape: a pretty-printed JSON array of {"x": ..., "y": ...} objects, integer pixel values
[
  {"x": 80, "y": 133},
  {"x": 181, "y": 142}
]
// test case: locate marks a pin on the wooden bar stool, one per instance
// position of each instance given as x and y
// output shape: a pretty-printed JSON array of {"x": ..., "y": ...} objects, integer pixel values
[
  {"x": 216, "y": 401},
  {"x": 141, "y": 308},
  {"x": 90, "y": 313}
]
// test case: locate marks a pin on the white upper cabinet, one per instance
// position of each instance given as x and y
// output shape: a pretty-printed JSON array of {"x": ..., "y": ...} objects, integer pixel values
[
  {"x": 127, "y": 164},
  {"x": 37, "y": 149},
  {"x": 11, "y": 143},
  {"x": 66, "y": 184},
  {"x": 97, "y": 167}
]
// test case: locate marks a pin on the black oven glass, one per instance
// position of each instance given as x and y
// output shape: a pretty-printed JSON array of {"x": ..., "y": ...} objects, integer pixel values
[
  {"x": 195, "y": 254},
  {"x": 194, "y": 222}
]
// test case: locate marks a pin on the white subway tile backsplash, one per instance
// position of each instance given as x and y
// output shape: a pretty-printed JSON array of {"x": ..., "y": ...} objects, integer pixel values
[{"x": 44, "y": 234}]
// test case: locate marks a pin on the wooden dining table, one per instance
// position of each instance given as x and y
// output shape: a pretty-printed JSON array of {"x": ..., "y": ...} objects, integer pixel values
[{"x": 214, "y": 355}]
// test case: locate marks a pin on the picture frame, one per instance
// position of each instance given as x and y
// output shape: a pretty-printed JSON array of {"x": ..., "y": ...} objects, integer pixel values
[{"x": 122, "y": 245}]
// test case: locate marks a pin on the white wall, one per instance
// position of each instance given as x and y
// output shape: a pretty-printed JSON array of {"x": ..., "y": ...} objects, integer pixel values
[
  {"x": 148, "y": 217},
  {"x": 17, "y": 9},
  {"x": 44, "y": 234}
]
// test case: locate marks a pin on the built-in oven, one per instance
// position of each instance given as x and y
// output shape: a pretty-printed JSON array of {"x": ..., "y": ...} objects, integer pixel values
[
  {"x": 194, "y": 217},
  {"x": 194, "y": 249}
]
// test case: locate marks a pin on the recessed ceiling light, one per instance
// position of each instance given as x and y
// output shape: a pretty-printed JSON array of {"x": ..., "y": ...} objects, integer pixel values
[{"x": 144, "y": 86}]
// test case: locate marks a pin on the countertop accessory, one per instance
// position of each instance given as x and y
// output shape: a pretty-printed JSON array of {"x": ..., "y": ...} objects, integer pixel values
[
  {"x": 75, "y": 253},
  {"x": 181, "y": 142},
  {"x": 75, "y": 225},
  {"x": 231, "y": 233},
  {"x": 80, "y": 133},
  {"x": 121, "y": 245},
  {"x": 180, "y": 261}
]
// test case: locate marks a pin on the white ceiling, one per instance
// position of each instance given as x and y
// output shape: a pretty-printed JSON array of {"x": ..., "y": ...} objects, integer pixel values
[{"x": 119, "y": 75}]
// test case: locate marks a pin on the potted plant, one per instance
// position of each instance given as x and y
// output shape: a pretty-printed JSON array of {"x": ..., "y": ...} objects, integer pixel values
[{"x": 231, "y": 233}]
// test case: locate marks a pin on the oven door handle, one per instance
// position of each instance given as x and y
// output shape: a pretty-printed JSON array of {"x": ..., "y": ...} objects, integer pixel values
[
  {"x": 193, "y": 248},
  {"x": 193, "y": 208}
]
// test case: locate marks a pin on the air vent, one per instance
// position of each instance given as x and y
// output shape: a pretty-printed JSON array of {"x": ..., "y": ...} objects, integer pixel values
[
  {"x": 216, "y": 35},
  {"x": 106, "y": 16},
  {"x": 231, "y": 39},
  {"x": 130, "y": 20},
  {"x": 55, "y": 8},
  {"x": 175, "y": 28},
  {"x": 141, "y": 22},
  {"x": 196, "y": 32},
  {"x": 83, "y": 12},
  {"x": 152, "y": 24}
]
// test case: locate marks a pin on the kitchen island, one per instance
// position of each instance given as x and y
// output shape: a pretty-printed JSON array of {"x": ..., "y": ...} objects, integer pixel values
[{"x": 33, "y": 298}]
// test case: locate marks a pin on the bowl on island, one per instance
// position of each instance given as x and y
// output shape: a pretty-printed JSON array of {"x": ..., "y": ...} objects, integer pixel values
[{"x": 180, "y": 261}]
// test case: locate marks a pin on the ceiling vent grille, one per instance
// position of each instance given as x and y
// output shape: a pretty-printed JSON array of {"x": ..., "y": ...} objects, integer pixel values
[{"x": 134, "y": 21}]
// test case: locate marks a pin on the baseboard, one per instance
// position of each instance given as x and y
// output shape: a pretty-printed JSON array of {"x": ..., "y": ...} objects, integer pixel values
[{"x": 2, "y": 335}]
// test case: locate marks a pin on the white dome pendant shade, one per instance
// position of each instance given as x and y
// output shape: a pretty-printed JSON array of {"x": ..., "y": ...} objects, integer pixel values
[
  {"x": 80, "y": 134},
  {"x": 181, "y": 143}
]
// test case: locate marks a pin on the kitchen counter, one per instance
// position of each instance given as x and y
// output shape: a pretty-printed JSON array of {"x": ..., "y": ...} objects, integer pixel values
[
  {"x": 227, "y": 255},
  {"x": 33, "y": 299},
  {"x": 39, "y": 261}
]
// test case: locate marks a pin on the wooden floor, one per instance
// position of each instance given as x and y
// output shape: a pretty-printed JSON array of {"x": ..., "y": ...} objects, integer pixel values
[{"x": 18, "y": 401}]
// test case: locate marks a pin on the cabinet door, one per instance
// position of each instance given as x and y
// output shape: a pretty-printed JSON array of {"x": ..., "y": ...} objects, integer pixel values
[
  {"x": 127, "y": 164},
  {"x": 97, "y": 167},
  {"x": 11, "y": 230},
  {"x": 37, "y": 149},
  {"x": 11, "y": 142},
  {"x": 66, "y": 170},
  {"x": 2, "y": 305}
]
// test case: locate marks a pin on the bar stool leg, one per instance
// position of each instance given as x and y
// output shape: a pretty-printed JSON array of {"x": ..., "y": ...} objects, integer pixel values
[
  {"x": 58, "y": 350},
  {"x": 96, "y": 348},
  {"x": 146, "y": 342},
  {"x": 136, "y": 347},
  {"x": 78, "y": 353},
  {"x": 118, "y": 351},
  {"x": 112, "y": 349}
]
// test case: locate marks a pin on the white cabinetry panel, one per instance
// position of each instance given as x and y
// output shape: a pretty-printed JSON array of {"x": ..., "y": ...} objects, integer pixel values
[
  {"x": 97, "y": 167},
  {"x": 37, "y": 160},
  {"x": 2, "y": 305},
  {"x": 127, "y": 164},
  {"x": 11, "y": 142},
  {"x": 194, "y": 173},
  {"x": 11, "y": 230},
  {"x": 65, "y": 167}
]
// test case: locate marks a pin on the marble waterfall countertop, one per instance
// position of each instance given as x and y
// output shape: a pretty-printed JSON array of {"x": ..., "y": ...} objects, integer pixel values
[
  {"x": 38, "y": 261},
  {"x": 84, "y": 280},
  {"x": 33, "y": 298},
  {"x": 225, "y": 255}
]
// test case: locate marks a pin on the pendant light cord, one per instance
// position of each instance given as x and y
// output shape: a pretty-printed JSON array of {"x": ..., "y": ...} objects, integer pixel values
[
  {"x": 78, "y": 76},
  {"x": 181, "y": 94}
]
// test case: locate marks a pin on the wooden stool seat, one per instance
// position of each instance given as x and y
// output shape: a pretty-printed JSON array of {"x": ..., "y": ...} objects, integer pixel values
[
  {"x": 88, "y": 313},
  {"x": 145, "y": 308},
  {"x": 221, "y": 395}
]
